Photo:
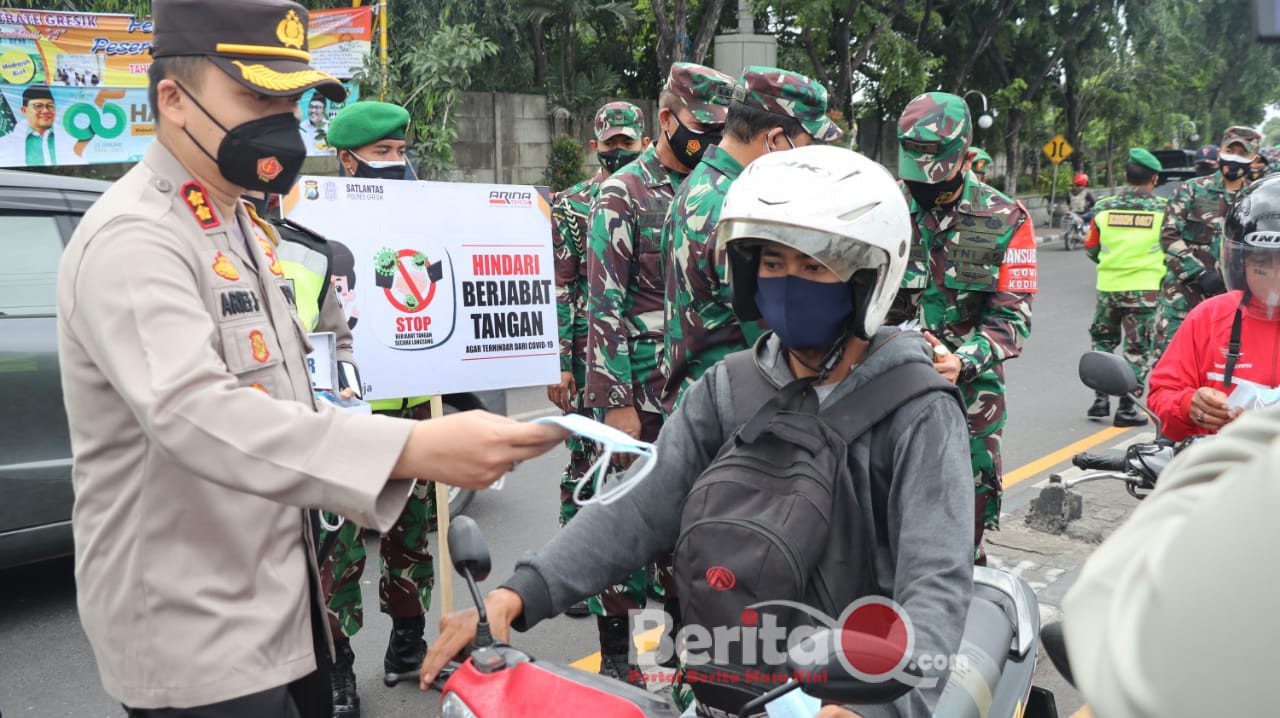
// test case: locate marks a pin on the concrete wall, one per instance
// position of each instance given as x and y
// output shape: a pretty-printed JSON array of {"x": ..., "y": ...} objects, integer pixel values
[
  {"x": 506, "y": 138},
  {"x": 502, "y": 137}
]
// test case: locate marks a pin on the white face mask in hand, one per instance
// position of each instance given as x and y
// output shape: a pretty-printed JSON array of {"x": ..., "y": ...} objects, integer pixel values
[{"x": 611, "y": 442}]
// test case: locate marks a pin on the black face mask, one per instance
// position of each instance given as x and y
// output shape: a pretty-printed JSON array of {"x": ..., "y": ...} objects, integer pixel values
[
  {"x": 387, "y": 171},
  {"x": 265, "y": 154},
  {"x": 1233, "y": 170},
  {"x": 688, "y": 145},
  {"x": 1257, "y": 173},
  {"x": 615, "y": 159},
  {"x": 937, "y": 194}
]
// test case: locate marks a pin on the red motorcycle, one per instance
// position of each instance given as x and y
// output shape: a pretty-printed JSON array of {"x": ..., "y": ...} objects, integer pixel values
[{"x": 500, "y": 680}]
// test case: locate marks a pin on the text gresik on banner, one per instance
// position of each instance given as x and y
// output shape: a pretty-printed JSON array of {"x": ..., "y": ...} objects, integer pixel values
[{"x": 447, "y": 287}]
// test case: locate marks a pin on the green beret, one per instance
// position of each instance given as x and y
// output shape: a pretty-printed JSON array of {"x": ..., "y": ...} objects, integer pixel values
[
  {"x": 367, "y": 122},
  {"x": 1140, "y": 156}
]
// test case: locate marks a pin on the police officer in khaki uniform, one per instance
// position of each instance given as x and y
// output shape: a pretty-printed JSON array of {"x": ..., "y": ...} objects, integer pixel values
[{"x": 196, "y": 439}]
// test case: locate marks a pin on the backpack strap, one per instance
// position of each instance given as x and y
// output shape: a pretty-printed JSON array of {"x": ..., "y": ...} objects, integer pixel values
[
  {"x": 868, "y": 405},
  {"x": 874, "y": 401},
  {"x": 751, "y": 390}
]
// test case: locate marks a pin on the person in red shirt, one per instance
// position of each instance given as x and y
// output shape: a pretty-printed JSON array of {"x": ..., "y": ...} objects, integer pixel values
[{"x": 1232, "y": 340}]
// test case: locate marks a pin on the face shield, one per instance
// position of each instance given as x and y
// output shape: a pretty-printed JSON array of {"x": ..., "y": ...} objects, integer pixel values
[{"x": 1253, "y": 266}]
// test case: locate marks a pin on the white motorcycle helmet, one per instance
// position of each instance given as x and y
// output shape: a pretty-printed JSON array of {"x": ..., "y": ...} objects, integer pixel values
[{"x": 832, "y": 204}]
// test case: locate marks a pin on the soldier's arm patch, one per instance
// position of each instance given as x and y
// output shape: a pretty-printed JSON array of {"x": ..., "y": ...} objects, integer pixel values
[{"x": 1018, "y": 270}]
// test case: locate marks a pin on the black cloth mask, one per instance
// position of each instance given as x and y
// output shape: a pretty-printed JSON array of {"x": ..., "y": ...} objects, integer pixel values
[
  {"x": 265, "y": 154},
  {"x": 615, "y": 159},
  {"x": 689, "y": 145},
  {"x": 1233, "y": 170},
  {"x": 937, "y": 194}
]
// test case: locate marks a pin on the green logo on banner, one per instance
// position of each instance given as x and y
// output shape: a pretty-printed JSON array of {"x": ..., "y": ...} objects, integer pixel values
[{"x": 95, "y": 127}]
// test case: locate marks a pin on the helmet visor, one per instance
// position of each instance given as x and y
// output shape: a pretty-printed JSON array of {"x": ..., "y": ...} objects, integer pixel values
[
  {"x": 1253, "y": 265},
  {"x": 842, "y": 255}
]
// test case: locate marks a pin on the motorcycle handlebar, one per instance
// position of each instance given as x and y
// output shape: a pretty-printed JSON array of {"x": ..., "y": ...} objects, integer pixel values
[{"x": 1107, "y": 461}]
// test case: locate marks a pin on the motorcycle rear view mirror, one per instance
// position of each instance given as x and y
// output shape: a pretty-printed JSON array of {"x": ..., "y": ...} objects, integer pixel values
[
  {"x": 468, "y": 548},
  {"x": 816, "y": 663},
  {"x": 1108, "y": 374}
]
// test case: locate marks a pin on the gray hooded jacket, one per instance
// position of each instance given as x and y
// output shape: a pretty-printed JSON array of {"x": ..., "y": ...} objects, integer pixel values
[{"x": 928, "y": 558}]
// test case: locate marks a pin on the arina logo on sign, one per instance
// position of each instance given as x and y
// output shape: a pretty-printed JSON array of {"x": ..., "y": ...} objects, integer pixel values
[{"x": 499, "y": 198}]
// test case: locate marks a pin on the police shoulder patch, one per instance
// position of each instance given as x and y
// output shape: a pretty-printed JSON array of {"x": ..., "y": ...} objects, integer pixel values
[{"x": 193, "y": 193}]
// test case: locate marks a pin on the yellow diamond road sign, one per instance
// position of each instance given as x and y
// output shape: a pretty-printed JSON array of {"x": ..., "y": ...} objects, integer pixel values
[{"x": 1058, "y": 149}]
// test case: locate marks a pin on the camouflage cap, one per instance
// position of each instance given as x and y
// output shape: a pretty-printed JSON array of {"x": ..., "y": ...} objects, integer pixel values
[
  {"x": 706, "y": 92},
  {"x": 980, "y": 158},
  {"x": 934, "y": 133},
  {"x": 619, "y": 118},
  {"x": 1246, "y": 136},
  {"x": 789, "y": 94}
]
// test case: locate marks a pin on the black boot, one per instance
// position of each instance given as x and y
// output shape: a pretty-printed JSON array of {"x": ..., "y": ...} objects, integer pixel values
[
  {"x": 346, "y": 703},
  {"x": 1101, "y": 408},
  {"x": 578, "y": 610},
  {"x": 615, "y": 650},
  {"x": 1128, "y": 413},
  {"x": 406, "y": 649}
]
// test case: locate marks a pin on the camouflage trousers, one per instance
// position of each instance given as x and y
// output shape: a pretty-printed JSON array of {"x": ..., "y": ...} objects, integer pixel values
[
  {"x": 405, "y": 565},
  {"x": 1177, "y": 299},
  {"x": 632, "y": 593},
  {"x": 1131, "y": 314},
  {"x": 985, "y": 410}
]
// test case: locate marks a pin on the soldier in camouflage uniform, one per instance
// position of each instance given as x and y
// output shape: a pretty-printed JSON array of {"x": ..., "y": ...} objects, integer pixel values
[
  {"x": 361, "y": 133},
  {"x": 1192, "y": 235},
  {"x": 773, "y": 110},
  {"x": 969, "y": 281},
  {"x": 624, "y": 299},
  {"x": 1124, "y": 240},
  {"x": 619, "y": 139},
  {"x": 979, "y": 163}
]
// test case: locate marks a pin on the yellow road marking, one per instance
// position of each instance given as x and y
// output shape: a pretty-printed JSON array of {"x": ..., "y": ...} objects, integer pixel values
[
  {"x": 1048, "y": 461},
  {"x": 645, "y": 642}
]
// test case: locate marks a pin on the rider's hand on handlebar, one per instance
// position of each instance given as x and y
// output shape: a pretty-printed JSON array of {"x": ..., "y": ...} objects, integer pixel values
[
  {"x": 458, "y": 630},
  {"x": 472, "y": 449},
  {"x": 1209, "y": 409}
]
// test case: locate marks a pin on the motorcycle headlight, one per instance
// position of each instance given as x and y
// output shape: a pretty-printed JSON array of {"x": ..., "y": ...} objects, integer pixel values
[{"x": 454, "y": 707}]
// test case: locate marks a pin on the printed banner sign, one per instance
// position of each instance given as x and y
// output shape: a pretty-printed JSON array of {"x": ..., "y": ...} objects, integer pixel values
[
  {"x": 447, "y": 287},
  {"x": 79, "y": 126},
  {"x": 73, "y": 85}
]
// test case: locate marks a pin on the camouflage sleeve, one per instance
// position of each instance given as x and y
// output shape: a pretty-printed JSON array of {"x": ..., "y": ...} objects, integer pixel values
[
  {"x": 1177, "y": 255},
  {"x": 1007, "y": 322},
  {"x": 610, "y": 250},
  {"x": 564, "y": 228}
]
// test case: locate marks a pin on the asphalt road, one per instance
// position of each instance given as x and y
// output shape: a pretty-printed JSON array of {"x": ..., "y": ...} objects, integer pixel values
[{"x": 47, "y": 669}]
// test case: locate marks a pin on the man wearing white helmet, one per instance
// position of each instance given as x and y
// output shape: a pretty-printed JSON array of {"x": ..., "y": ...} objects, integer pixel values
[{"x": 818, "y": 240}]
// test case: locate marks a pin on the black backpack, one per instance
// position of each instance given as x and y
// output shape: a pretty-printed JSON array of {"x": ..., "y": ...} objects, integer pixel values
[{"x": 761, "y": 522}]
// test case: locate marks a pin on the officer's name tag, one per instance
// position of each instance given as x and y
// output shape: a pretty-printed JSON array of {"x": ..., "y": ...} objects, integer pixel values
[
  {"x": 322, "y": 362},
  {"x": 1141, "y": 220}
]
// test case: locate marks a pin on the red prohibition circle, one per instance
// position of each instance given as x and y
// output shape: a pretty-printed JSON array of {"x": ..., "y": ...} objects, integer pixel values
[{"x": 423, "y": 302}]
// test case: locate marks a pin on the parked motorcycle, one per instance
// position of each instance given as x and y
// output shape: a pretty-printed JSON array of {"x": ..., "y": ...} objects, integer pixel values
[
  {"x": 993, "y": 681},
  {"x": 1139, "y": 464}
]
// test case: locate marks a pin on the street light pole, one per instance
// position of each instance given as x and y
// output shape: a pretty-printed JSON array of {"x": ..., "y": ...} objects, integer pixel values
[{"x": 986, "y": 119}]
